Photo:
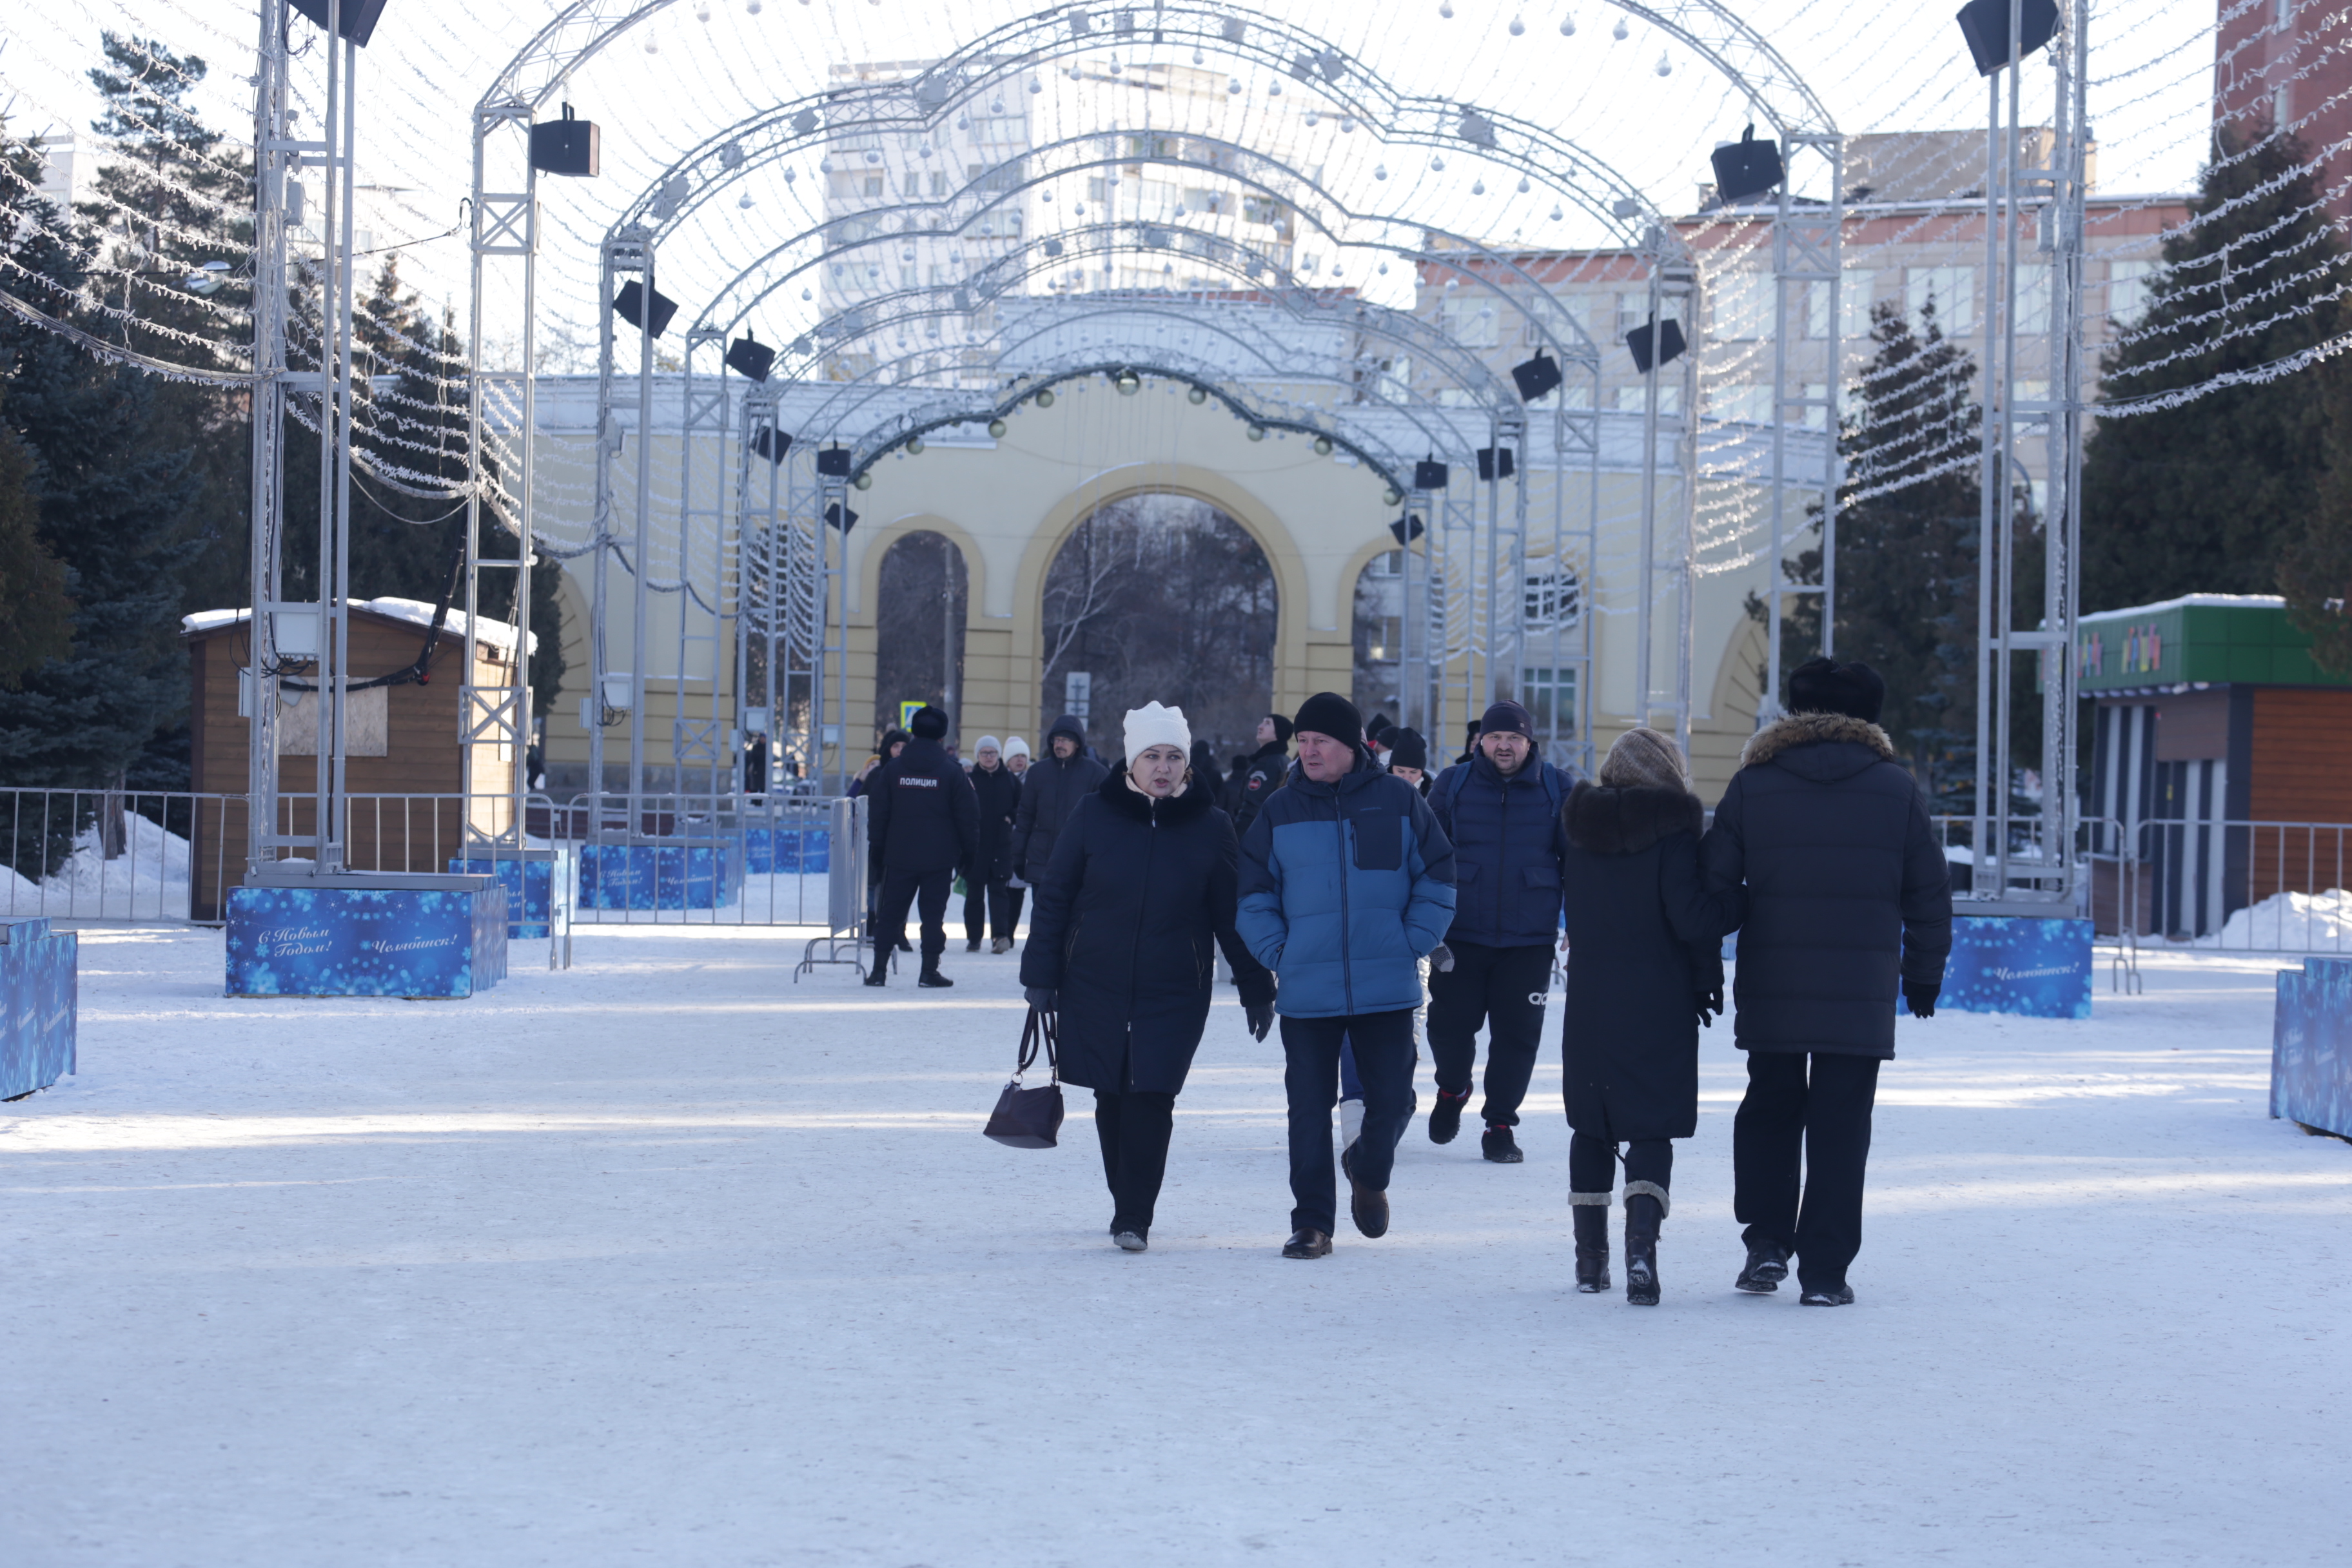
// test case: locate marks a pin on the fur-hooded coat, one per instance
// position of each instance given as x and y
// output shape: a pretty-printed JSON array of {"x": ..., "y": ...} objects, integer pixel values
[
  {"x": 1644, "y": 943},
  {"x": 1849, "y": 901}
]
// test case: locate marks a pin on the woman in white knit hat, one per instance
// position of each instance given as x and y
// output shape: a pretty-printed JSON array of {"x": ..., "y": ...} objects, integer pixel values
[{"x": 1141, "y": 884}]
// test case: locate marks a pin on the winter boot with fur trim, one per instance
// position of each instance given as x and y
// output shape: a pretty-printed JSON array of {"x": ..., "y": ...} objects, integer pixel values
[
  {"x": 1646, "y": 1211},
  {"x": 1591, "y": 1245}
]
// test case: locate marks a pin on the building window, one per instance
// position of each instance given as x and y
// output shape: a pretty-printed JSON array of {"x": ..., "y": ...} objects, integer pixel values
[
  {"x": 1741, "y": 305},
  {"x": 2033, "y": 298},
  {"x": 1952, "y": 290},
  {"x": 2127, "y": 290},
  {"x": 1669, "y": 397},
  {"x": 1552, "y": 599},
  {"x": 1550, "y": 697},
  {"x": 1472, "y": 323}
]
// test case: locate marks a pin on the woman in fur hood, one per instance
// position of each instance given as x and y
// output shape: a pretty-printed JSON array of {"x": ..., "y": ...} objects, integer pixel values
[{"x": 1644, "y": 970}]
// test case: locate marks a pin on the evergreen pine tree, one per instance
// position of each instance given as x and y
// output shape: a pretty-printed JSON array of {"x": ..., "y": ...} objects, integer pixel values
[
  {"x": 2209, "y": 497},
  {"x": 2315, "y": 571}
]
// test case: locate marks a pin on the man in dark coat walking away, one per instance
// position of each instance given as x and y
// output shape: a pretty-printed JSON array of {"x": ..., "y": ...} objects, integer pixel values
[
  {"x": 1141, "y": 888},
  {"x": 986, "y": 890},
  {"x": 1849, "y": 903},
  {"x": 1268, "y": 766},
  {"x": 1050, "y": 791},
  {"x": 922, "y": 826},
  {"x": 1345, "y": 880},
  {"x": 1644, "y": 968},
  {"x": 1500, "y": 811}
]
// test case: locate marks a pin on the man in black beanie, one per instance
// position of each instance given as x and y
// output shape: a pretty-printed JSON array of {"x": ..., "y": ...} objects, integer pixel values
[
  {"x": 1345, "y": 880},
  {"x": 922, "y": 826},
  {"x": 1849, "y": 903},
  {"x": 1500, "y": 811},
  {"x": 1266, "y": 770}
]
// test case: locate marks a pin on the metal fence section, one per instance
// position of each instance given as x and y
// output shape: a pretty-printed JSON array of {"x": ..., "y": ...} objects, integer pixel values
[
  {"x": 2239, "y": 885},
  {"x": 712, "y": 858},
  {"x": 127, "y": 856}
]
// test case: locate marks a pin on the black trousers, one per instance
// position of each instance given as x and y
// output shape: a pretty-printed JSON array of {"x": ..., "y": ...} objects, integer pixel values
[
  {"x": 927, "y": 891},
  {"x": 1502, "y": 988},
  {"x": 1133, "y": 1128},
  {"x": 993, "y": 899},
  {"x": 1311, "y": 1077},
  {"x": 1593, "y": 1163},
  {"x": 1812, "y": 1125}
]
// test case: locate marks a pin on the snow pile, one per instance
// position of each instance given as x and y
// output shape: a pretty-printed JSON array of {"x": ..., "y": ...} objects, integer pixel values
[
  {"x": 149, "y": 880},
  {"x": 2289, "y": 923}
]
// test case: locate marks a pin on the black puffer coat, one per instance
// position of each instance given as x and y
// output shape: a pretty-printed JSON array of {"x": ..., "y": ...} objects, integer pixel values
[
  {"x": 1644, "y": 939},
  {"x": 999, "y": 791},
  {"x": 1849, "y": 898},
  {"x": 1050, "y": 791},
  {"x": 1137, "y": 891}
]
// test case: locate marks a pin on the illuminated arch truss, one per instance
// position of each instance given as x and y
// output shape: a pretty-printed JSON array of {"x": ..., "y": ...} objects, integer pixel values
[{"x": 773, "y": 547}]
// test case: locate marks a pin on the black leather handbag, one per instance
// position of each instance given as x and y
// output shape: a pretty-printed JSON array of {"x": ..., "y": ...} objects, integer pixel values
[{"x": 1030, "y": 1118}]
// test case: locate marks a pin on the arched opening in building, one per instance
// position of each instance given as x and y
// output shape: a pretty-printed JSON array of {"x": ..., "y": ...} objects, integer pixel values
[
  {"x": 919, "y": 628},
  {"x": 1160, "y": 597}
]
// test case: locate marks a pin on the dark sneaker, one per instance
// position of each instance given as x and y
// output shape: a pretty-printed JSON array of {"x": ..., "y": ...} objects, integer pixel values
[
  {"x": 1445, "y": 1121},
  {"x": 1306, "y": 1244},
  {"x": 1767, "y": 1264},
  {"x": 972, "y": 945},
  {"x": 1498, "y": 1146},
  {"x": 1827, "y": 1296},
  {"x": 933, "y": 978},
  {"x": 1367, "y": 1209},
  {"x": 879, "y": 975}
]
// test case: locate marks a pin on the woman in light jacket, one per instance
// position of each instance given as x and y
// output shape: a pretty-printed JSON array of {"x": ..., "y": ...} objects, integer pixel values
[{"x": 1141, "y": 884}]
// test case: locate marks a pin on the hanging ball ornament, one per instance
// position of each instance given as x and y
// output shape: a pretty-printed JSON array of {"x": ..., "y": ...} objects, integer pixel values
[
  {"x": 1257, "y": 432},
  {"x": 1666, "y": 66},
  {"x": 1621, "y": 32},
  {"x": 864, "y": 481},
  {"x": 1446, "y": 9},
  {"x": 996, "y": 429},
  {"x": 1322, "y": 446},
  {"x": 1045, "y": 398},
  {"x": 1391, "y": 495},
  {"x": 914, "y": 446},
  {"x": 1196, "y": 397},
  {"x": 1477, "y": 187},
  {"x": 1518, "y": 27},
  {"x": 1567, "y": 27}
]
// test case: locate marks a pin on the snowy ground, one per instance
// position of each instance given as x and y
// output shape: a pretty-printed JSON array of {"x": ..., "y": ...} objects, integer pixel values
[{"x": 666, "y": 1261}]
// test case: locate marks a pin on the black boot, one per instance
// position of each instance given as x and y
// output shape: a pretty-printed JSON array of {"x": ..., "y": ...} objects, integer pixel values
[
  {"x": 1767, "y": 1264},
  {"x": 1591, "y": 1247},
  {"x": 1644, "y": 1213},
  {"x": 879, "y": 975},
  {"x": 1445, "y": 1121},
  {"x": 931, "y": 975},
  {"x": 1497, "y": 1145}
]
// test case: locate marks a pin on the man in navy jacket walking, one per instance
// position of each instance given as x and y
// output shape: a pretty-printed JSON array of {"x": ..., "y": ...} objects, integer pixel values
[
  {"x": 1500, "y": 811},
  {"x": 1346, "y": 881}
]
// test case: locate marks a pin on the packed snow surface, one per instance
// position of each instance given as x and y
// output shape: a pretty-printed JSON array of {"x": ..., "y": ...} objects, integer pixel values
[{"x": 666, "y": 1261}]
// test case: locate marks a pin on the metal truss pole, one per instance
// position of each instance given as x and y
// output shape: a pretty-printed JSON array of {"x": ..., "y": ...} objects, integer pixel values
[
  {"x": 335, "y": 446},
  {"x": 276, "y": 156},
  {"x": 1808, "y": 249},
  {"x": 713, "y": 743}
]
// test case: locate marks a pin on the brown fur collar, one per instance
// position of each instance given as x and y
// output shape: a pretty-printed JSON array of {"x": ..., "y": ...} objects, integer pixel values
[
  {"x": 1604, "y": 821},
  {"x": 1805, "y": 729}
]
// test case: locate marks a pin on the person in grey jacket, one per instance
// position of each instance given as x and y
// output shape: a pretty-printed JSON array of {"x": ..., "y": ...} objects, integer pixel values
[{"x": 1050, "y": 791}]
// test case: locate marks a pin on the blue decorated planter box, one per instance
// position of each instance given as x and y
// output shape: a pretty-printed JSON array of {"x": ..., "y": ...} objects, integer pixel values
[
  {"x": 787, "y": 849},
  {"x": 2005, "y": 963},
  {"x": 366, "y": 942},
  {"x": 532, "y": 889},
  {"x": 2311, "y": 1045},
  {"x": 38, "y": 985},
  {"x": 659, "y": 876}
]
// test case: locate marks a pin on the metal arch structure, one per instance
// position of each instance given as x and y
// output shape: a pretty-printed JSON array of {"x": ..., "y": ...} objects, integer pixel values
[
  {"x": 736, "y": 153},
  {"x": 505, "y": 222}
]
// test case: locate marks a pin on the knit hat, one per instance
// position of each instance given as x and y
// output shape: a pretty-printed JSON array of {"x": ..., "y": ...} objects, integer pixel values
[
  {"x": 928, "y": 723},
  {"x": 1825, "y": 685},
  {"x": 1015, "y": 747},
  {"x": 1644, "y": 759},
  {"x": 1283, "y": 729},
  {"x": 1380, "y": 729},
  {"x": 1153, "y": 725},
  {"x": 987, "y": 743},
  {"x": 1508, "y": 715},
  {"x": 1328, "y": 713},
  {"x": 1408, "y": 750}
]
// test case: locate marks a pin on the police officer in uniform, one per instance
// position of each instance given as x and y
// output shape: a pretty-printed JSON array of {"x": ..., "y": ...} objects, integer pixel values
[{"x": 922, "y": 827}]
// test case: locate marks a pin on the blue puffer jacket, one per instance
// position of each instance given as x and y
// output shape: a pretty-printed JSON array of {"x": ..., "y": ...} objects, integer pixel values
[
  {"x": 1342, "y": 887},
  {"x": 1508, "y": 845}
]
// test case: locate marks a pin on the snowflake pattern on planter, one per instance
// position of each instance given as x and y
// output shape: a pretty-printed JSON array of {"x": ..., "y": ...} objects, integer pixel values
[
  {"x": 365, "y": 942},
  {"x": 39, "y": 976},
  {"x": 2036, "y": 968},
  {"x": 2311, "y": 1045}
]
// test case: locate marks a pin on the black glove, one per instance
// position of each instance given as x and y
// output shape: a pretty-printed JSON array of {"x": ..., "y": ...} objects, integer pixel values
[
  {"x": 1261, "y": 1018},
  {"x": 1441, "y": 960},
  {"x": 1042, "y": 997},
  {"x": 1711, "y": 1006},
  {"x": 1922, "y": 999}
]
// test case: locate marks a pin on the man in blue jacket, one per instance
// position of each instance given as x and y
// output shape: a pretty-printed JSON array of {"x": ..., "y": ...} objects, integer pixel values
[
  {"x": 1346, "y": 881},
  {"x": 1500, "y": 811}
]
